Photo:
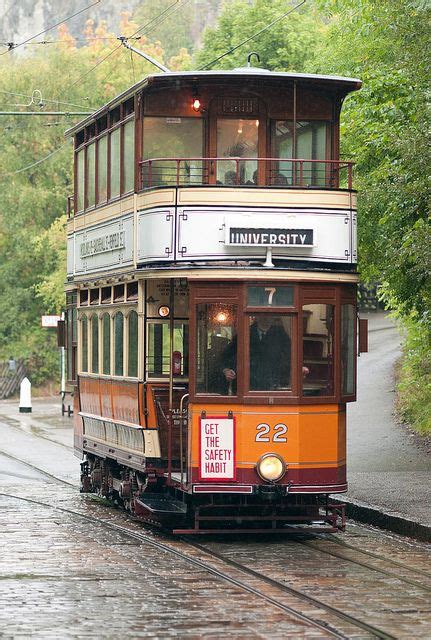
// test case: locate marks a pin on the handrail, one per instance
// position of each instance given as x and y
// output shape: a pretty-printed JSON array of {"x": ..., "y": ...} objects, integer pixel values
[{"x": 268, "y": 172}]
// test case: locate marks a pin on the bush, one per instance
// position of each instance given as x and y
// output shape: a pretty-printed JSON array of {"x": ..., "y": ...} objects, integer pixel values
[{"x": 414, "y": 386}]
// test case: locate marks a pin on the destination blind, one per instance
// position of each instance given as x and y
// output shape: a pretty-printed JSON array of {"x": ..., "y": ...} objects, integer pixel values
[{"x": 270, "y": 237}]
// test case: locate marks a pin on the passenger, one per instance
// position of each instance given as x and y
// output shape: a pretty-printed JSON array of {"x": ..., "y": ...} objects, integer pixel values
[
  {"x": 254, "y": 181},
  {"x": 269, "y": 356},
  {"x": 280, "y": 180},
  {"x": 230, "y": 177}
]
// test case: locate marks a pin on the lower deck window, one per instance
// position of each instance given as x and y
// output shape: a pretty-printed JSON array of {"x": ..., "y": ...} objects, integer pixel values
[
  {"x": 158, "y": 349},
  {"x": 270, "y": 352},
  {"x": 216, "y": 366},
  {"x": 318, "y": 344}
]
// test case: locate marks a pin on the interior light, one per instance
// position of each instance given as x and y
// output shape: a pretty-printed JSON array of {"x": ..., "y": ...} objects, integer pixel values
[
  {"x": 196, "y": 104},
  {"x": 164, "y": 311},
  {"x": 221, "y": 317}
]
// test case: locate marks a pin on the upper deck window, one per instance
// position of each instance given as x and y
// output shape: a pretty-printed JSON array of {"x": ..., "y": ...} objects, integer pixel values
[
  {"x": 237, "y": 137},
  {"x": 306, "y": 142},
  {"x": 172, "y": 138}
]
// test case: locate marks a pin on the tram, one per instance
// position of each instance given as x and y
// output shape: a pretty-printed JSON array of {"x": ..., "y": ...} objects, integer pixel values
[{"x": 211, "y": 300}]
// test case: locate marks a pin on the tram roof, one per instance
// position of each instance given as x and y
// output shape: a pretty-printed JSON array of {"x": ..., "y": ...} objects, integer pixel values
[{"x": 345, "y": 85}]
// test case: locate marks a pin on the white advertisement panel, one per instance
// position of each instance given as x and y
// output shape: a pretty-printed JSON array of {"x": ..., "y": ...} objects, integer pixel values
[
  {"x": 217, "y": 449},
  {"x": 105, "y": 245}
]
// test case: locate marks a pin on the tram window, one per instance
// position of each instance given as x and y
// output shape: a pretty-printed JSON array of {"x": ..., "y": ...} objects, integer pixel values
[
  {"x": 94, "y": 323},
  {"x": 106, "y": 344},
  {"x": 216, "y": 348},
  {"x": 91, "y": 174},
  {"x": 119, "y": 293},
  {"x": 132, "y": 291},
  {"x": 270, "y": 353},
  {"x": 80, "y": 177},
  {"x": 84, "y": 343},
  {"x": 347, "y": 349},
  {"x": 132, "y": 360},
  {"x": 158, "y": 356},
  {"x": 310, "y": 145},
  {"x": 129, "y": 156},
  {"x": 237, "y": 138},
  {"x": 318, "y": 341},
  {"x": 115, "y": 163},
  {"x": 118, "y": 343},
  {"x": 106, "y": 295},
  {"x": 173, "y": 138},
  {"x": 102, "y": 169}
]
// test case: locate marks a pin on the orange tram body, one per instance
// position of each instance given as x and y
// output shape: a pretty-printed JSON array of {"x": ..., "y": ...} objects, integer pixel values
[{"x": 211, "y": 300}]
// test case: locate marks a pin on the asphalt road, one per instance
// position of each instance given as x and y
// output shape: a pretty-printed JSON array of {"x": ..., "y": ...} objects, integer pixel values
[{"x": 388, "y": 466}]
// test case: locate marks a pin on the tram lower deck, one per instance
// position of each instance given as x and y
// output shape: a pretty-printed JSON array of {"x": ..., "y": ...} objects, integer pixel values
[{"x": 238, "y": 399}]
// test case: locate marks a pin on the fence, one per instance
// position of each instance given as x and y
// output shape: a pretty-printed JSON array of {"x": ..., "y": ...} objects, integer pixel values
[{"x": 10, "y": 380}]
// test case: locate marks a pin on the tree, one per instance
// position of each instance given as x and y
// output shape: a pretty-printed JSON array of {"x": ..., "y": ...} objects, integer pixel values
[{"x": 286, "y": 46}]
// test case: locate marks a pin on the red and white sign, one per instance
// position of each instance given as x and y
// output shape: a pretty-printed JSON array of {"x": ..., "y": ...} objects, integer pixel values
[
  {"x": 50, "y": 321},
  {"x": 217, "y": 449}
]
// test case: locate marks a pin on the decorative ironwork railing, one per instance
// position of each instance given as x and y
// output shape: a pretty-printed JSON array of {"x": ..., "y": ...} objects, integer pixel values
[{"x": 246, "y": 172}]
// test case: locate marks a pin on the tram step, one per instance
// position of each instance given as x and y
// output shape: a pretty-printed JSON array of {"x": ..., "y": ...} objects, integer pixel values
[{"x": 158, "y": 504}]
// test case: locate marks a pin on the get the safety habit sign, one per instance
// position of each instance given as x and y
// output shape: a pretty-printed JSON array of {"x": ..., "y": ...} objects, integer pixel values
[{"x": 217, "y": 449}]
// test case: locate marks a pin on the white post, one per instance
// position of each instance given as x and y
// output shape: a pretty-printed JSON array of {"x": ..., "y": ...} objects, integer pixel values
[{"x": 25, "y": 396}]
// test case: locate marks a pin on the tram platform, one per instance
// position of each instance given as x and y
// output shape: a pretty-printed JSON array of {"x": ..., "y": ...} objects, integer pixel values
[{"x": 389, "y": 467}]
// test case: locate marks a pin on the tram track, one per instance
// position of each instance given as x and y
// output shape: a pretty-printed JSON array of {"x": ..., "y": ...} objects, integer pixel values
[
  {"x": 171, "y": 546},
  {"x": 38, "y": 469},
  {"x": 382, "y": 558}
]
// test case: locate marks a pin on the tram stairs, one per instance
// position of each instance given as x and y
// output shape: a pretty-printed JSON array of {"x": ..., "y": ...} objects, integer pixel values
[{"x": 10, "y": 381}]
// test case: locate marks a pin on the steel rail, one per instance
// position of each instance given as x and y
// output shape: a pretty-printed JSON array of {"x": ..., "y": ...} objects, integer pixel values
[
  {"x": 41, "y": 471},
  {"x": 378, "y": 633},
  {"x": 342, "y": 543},
  {"x": 216, "y": 572},
  {"x": 370, "y": 566}
]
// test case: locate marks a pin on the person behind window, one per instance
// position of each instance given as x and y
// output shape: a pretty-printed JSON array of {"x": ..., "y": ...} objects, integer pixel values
[{"x": 270, "y": 350}]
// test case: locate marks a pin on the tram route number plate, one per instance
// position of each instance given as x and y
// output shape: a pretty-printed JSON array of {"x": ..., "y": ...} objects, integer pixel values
[{"x": 217, "y": 449}]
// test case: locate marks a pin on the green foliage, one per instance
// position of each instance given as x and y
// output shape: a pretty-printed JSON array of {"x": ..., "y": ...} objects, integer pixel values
[
  {"x": 414, "y": 389},
  {"x": 384, "y": 129},
  {"x": 286, "y": 46},
  {"x": 33, "y": 200}
]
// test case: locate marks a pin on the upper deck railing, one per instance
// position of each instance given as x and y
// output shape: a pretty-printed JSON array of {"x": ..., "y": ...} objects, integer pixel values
[
  {"x": 246, "y": 172},
  {"x": 241, "y": 172}
]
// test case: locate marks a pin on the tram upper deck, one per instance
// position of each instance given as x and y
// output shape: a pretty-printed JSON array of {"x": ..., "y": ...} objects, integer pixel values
[{"x": 223, "y": 166}]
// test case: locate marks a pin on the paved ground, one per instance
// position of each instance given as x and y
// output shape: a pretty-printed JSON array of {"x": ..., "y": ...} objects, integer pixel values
[{"x": 389, "y": 469}]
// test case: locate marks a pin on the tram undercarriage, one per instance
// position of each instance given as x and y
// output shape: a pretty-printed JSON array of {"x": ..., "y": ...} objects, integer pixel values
[{"x": 270, "y": 509}]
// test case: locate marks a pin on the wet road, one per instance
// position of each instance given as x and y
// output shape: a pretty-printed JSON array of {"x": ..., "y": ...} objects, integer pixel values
[{"x": 387, "y": 466}]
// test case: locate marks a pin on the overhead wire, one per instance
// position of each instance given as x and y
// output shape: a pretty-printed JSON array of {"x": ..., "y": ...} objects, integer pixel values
[
  {"x": 24, "y": 95},
  {"x": 155, "y": 19},
  {"x": 154, "y": 26},
  {"x": 209, "y": 64},
  {"x": 34, "y": 164},
  {"x": 11, "y": 46}
]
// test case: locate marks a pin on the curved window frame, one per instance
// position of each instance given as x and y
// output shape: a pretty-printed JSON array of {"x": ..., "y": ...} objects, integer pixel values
[
  {"x": 118, "y": 351},
  {"x": 106, "y": 343},
  {"x": 94, "y": 342},
  {"x": 132, "y": 342}
]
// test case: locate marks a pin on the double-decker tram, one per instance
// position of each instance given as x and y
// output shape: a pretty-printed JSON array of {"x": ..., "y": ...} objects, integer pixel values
[{"x": 211, "y": 300}]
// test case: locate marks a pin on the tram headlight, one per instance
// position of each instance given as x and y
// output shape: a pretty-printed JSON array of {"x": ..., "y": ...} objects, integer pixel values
[{"x": 271, "y": 467}]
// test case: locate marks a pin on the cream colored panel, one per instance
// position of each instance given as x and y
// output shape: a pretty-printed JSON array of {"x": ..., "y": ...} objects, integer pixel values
[
  {"x": 157, "y": 198},
  {"x": 152, "y": 443},
  {"x": 266, "y": 197}
]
